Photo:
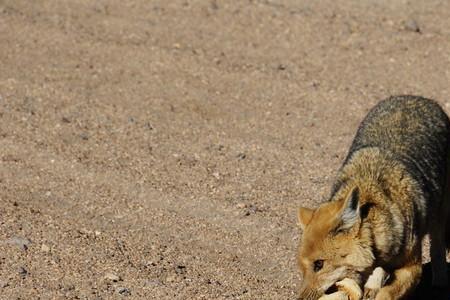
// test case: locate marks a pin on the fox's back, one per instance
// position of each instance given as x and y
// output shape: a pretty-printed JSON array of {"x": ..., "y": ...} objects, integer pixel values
[{"x": 416, "y": 131}]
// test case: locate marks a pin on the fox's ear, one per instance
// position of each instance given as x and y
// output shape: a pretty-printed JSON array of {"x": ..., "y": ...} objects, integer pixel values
[
  {"x": 304, "y": 216},
  {"x": 350, "y": 211}
]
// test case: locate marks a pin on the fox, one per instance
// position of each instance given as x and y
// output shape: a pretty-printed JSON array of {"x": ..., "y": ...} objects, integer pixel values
[{"x": 392, "y": 189}]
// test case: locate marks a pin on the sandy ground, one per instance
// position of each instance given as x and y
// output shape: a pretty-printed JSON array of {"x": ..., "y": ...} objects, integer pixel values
[{"x": 160, "y": 149}]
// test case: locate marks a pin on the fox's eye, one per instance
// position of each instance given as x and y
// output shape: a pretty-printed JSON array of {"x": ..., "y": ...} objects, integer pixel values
[{"x": 318, "y": 265}]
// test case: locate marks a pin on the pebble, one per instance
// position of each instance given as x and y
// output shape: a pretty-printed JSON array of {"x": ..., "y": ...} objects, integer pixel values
[
  {"x": 112, "y": 277},
  {"x": 252, "y": 209},
  {"x": 241, "y": 205},
  {"x": 45, "y": 248},
  {"x": 3, "y": 284},
  {"x": 412, "y": 25},
  {"x": 152, "y": 283},
  {"x": 124, "y": 291},
  {"x": 20, "y": 242},
  {"x": 171, "y": 278},
  {"x": 23, "y": 272},
  {"x": 148, "y": 126},
  {"x": 241, "y": 156},
  {"x": 84, "y": 136},
  {"x": 180, "y": 269}
]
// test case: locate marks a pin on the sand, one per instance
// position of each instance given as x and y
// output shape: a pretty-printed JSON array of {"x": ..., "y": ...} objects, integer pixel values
[{"x": 160, "y": 149}]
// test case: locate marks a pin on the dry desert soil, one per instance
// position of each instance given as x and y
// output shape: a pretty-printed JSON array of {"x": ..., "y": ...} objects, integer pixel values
[{"x": 160, "y": 149}]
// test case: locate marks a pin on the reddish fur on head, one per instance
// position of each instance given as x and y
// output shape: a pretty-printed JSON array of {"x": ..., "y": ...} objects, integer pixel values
[{"x": 333, "y": 246}]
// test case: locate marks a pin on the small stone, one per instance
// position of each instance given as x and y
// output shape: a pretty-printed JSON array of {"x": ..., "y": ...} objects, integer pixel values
[
  {"x": 112, "y": 277},
  {"x": 45, "y": 248},
  {"x": 22, "y": 243},
  {"x": 241, "y": 156},
  {"x": 282, "y": 67},
  {"x": 252, "y": 209},
  {"x": 315, "y": 84},
  {"x": 148, "y": 126},
  {"x": 180, "y": 269},
  {"x": 152, "y": 283},
  {"x": 3, "y": 284},
  {"x": 412, "y": 25},
  {"x": 22, "y": 272},
  {"x": 171, "y": 278},
  {"x": 68, "y": 287},
  {"x": 241, "y": 205},
  {"x": 84, "y": 136},
  {"x": 124, "y": 291},
  {"x": 149, "y": 264}
]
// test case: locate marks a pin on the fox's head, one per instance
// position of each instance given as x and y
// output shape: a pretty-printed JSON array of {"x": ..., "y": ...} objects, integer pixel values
[{"x": 333, "y": 245}]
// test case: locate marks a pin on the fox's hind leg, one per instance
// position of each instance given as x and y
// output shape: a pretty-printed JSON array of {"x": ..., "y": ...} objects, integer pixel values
[{"x": 438, "y": 236}]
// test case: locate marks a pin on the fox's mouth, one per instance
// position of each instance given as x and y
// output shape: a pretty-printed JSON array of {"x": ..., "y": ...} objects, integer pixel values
[{"x": 332, "y": 289}]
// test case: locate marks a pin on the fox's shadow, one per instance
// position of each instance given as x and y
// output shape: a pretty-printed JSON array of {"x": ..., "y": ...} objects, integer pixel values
[{"x": 425, "y": 290}]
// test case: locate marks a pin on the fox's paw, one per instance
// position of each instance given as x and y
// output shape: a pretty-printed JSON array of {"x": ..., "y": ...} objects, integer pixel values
[
  {"x": 384, "y": 294},
  {"x": 374, "y": 283},
  {"x": 370, "y": 294}
]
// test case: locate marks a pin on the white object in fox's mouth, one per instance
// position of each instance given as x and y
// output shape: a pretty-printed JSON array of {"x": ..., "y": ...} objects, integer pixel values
[{"x": 347, "y": 289}]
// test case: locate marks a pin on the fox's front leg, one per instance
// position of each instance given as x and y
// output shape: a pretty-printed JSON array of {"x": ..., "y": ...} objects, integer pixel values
[
  {"x": 374, "y": 283},
  {"x": 404, "y": 281}
]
